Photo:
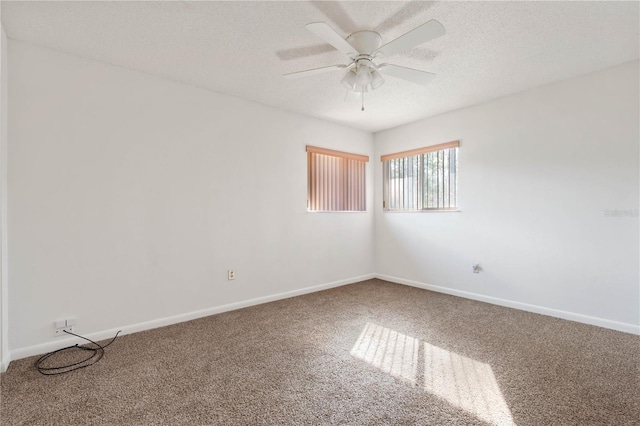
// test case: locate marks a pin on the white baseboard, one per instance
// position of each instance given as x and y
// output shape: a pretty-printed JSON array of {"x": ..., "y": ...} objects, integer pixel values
[
  {"x": 4, "y": 364},
  {"x": 586, "y": 319},
  {"x": 148, "y": 325}
]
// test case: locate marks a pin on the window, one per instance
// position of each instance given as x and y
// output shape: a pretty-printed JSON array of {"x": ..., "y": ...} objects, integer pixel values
[
  {"x": 421, "y": 179},
  {"x": 336, "y": 180}
]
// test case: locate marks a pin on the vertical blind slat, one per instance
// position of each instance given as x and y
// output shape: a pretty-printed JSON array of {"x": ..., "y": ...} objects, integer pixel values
[{"x": 313, "y": 176}]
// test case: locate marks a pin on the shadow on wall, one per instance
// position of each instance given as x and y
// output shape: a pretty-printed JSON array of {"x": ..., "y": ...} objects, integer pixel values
[{"x": 463, "y": 382}]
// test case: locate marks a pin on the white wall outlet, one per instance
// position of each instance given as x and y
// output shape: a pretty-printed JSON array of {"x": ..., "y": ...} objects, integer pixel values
[
  {"x": 476, "y": 268},
  {"x": 231, "y": 274},
  {"x": 60, "y": 326}
]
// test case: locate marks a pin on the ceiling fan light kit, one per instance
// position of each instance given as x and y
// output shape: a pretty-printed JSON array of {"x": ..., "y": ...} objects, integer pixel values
[
  {"x": 362, "y": 77},
  {"x": 364, "y": 47}
]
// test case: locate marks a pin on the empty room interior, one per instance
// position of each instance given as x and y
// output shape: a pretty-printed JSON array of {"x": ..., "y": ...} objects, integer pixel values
[{"x": 312, "y": 212}]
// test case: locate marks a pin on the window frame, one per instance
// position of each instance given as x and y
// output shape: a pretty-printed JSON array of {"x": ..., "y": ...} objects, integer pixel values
[
  {"x": 349, "y": 181},
  {"x": 421, "y": 171}
]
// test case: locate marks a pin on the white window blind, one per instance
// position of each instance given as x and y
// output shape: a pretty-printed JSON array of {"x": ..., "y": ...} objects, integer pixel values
[
  {"x": 336, "y": 180},
  {"x": 421, "y": 179}
]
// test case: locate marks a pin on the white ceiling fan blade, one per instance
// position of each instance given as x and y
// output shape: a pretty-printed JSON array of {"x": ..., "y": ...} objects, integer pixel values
[
  {"x": 415, "y": 76},
  {"x": 328, "y": 34},
  {"x": 425, "y": 32},
  {"x": 314, "y": 71}
]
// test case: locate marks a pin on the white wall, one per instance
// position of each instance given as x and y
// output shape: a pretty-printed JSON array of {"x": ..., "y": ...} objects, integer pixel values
[
  {"x": 130, "y": 197},
  {"x": 4, "y": 300},
  {"x": 537, "y": 171}
]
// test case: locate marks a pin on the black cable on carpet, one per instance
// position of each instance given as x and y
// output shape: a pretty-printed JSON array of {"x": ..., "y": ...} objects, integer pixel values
[{"x": 97, "y": 353}]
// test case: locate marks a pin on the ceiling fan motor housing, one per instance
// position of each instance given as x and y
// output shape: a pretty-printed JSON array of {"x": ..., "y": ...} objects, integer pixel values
[{"x": 365, "y": 42}]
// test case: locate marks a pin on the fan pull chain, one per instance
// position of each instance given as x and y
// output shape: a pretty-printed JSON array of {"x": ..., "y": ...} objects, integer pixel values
[{"x": 362, "y": 101}]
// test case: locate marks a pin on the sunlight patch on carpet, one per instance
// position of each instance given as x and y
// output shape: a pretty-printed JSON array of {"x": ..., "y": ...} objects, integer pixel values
[
  {"x": 463, "y": 382},
  {"x": 392, "y": 352}
]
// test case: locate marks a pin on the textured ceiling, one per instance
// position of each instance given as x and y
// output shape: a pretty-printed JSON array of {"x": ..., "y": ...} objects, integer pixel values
[{"x": 240, "y": 48}]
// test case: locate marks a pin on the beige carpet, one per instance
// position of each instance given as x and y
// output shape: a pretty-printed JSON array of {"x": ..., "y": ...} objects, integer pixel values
[{"x": 366, "y": 353}]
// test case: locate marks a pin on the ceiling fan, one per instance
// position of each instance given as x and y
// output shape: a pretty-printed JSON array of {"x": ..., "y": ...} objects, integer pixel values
[{"x": 363, "y": 49}]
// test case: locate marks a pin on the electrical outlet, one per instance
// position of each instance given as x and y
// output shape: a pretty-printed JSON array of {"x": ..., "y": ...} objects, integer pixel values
[
  {"x": 60, "y": 326},
  {"x": 231, "y": 274}
]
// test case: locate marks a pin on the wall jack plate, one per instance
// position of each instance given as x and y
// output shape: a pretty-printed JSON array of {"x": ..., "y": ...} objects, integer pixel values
[
  {"x": 59, "y": 332},
  {"x": 61, "y": 326}
]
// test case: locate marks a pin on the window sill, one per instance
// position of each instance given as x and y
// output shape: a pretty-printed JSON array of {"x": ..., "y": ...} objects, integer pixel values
[
  {"x": 424, "y": 211},
  {"x": 336, "y": 211}
]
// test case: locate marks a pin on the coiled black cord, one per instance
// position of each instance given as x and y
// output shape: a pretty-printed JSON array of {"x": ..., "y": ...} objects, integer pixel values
[{"x": 96, "y": 354}]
